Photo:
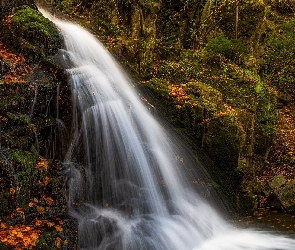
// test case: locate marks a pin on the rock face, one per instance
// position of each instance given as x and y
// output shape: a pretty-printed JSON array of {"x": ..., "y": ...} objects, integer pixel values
[{"x": 34, "y": 112}]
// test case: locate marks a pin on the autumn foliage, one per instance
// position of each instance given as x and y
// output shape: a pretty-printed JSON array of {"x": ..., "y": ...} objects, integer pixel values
[
  {"x": 26, "y": 235},
  {"x": 19, "y": 237},
  {"x": 17, "y": 68}
]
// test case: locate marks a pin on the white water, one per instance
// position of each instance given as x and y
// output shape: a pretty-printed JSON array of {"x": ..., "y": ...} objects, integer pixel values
[{"x": 125, "y": 182}]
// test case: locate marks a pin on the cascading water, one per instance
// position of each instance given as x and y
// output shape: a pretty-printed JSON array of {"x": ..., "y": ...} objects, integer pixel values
[{"x": 125, "y": 183}]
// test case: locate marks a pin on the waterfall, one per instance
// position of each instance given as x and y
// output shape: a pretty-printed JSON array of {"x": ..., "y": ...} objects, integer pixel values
[{"x": 126, "y": 182}]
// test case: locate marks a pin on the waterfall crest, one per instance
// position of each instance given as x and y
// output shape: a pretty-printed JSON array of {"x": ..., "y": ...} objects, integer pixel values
[{"x": 125, "y": 181}]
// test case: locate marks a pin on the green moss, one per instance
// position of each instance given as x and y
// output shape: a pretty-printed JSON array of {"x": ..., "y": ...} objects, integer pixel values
[
  {"x": 25, "y": 158},
  {"x": 33, "y": 22},
  {"x": 54, "y": 183},
  {"x": 36, "y": 36},
  {"x": 205, "y": 101},
  {"x": 199, "y": 90},
  {"x": 158, "y": 87},
  {"x": 18, "y": 167},
  {"x": 25, "y": 177},
  {"x": 221, "y": 45},
  {"x": 266, "y": 116},
  {"x": 4, "y": 203},
  {"x": 45, "y": 242},
  {"x": 5, "y": 101}
]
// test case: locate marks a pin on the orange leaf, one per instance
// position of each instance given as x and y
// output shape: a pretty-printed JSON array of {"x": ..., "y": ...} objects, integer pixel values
[
  {"x": 48, "y": 200},
  {"x": 13, "y": 232},
  {"x": 43, "y": 163},
  {"x": 19, "y": 210},
  {"x": 19, "y": 234},
  {"x": 40, "y": 209},
  {"x": 12, "y": 191},
  {"x": 58, "y": 228},
  {"x": 50, "y": 224},
  {"x": 38, "y": 223},
  {"x": 34, "y": 236},
  {"x": 11, "y": 242},
  {"x": 57, "y": 242},
  {"x": 3, "y": 225}
]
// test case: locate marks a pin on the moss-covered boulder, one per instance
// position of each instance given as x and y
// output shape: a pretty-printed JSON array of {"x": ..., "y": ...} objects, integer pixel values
[
  {"x": 33, "y": 34},
  {"x": 230, "y": 113}
]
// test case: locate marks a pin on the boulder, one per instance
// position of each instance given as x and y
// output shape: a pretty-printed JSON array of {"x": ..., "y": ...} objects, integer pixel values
[{"x": 280, "y": 193}]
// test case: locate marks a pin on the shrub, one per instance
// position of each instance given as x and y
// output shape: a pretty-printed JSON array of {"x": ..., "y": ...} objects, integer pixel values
[
  {"x": 279, "y": 67},
  {"x": 232, "y": 50}
]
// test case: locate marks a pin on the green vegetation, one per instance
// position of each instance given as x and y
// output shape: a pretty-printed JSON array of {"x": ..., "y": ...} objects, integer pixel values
[
  {"x": 32, "y": 23},
  {"x": 230, "y": 49},
  {"x": 279, "y": 68},
  {"x": 216, "y": 78},
  {"x": 37, "y": 38},
  {"x": 215, "y": 69}
]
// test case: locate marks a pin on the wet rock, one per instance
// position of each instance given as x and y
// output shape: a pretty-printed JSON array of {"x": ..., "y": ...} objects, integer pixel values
[{"x": 280, "y": 193}]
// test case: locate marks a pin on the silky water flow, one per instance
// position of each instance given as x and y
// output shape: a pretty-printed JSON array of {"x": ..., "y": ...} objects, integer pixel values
[{"x": 125, "y": 182}]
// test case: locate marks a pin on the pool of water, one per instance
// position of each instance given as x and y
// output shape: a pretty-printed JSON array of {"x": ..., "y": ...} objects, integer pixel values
[{"x": 282, "y": 223}]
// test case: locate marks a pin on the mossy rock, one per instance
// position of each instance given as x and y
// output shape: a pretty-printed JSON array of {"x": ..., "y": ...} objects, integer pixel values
[
  {"x": 158, "y": 86},
  {"x": 266, "y": 115},
  {"x": 202, "y": 90},
  {"x": 280, "y": 193},
  {"x": 287, "y": 196},
  {"x": 45, "y": 242},
  {"x": 176, "y": 71},
  {"x": 32, "y": 34},
  {"x": 221, "y": 142},
  {"x": 65, "y": 239},
  {"x": 246, "y": 123},
  {"x": 26, "y": 176}
]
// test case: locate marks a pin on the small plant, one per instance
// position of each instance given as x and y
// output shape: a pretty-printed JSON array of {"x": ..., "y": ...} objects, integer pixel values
[{"x": 232, "y": 50}]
